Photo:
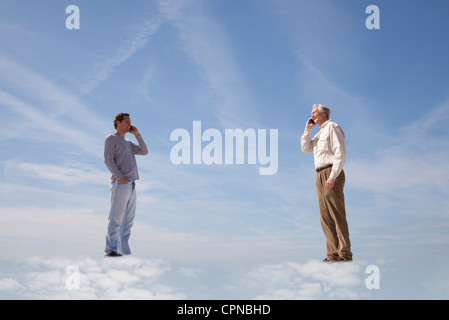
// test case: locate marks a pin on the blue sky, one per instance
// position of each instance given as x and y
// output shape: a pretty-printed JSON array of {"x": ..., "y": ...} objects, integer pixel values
[{"x": 229, "y": 64}]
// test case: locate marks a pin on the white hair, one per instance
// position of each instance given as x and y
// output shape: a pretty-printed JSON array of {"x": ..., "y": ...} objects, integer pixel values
[{"x": 323, "y": 108}]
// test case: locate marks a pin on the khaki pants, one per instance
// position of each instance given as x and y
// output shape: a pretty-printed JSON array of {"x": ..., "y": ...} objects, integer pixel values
[{"x": 333, "y": 215}]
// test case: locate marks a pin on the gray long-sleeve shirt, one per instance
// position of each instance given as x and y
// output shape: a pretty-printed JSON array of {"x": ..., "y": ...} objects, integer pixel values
[{"x": 119, "y": 156}]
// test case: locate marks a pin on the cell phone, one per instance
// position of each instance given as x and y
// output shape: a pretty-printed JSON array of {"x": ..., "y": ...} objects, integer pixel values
[
  {"x": 131, "y": 128},
  {"x": 311, "y": 121}
]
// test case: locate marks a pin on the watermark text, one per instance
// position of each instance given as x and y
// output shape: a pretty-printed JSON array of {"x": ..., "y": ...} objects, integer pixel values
[
  {"x": 72, "y": 282},
  {"x": 373, "y": 280},
  {"x": 210, "y": 147}
]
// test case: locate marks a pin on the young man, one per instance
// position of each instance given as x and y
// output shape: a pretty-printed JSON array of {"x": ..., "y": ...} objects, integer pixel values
[
  {"x": 119, "y": 157},
  {"x": 329, "y": 151}
]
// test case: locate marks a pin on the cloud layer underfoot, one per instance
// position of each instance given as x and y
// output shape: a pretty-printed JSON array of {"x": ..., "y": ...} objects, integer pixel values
[{"x": 142, "y": 278}]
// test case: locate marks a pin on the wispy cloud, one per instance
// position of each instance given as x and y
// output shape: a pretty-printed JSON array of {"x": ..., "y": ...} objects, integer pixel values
[
  {"x": 207, "y": 43},
  {"x": 77, "y": 225},
  {"x": 52, "y": 113},
  {"x": 136, "y": 38},
  {"x": 410, "y": 158},
  {"x": 314, "y": 28},
  {"x": 68, "y": 174}
]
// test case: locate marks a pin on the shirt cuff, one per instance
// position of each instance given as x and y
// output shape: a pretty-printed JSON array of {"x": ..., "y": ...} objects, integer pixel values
[{"x": 333, "y": 175}]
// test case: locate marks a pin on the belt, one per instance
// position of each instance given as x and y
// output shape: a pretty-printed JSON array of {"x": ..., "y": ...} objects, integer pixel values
[{"x": 325, "y": 167}]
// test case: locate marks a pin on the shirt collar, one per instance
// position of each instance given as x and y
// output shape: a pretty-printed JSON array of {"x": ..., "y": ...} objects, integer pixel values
[{"x": 325, "y": 123}]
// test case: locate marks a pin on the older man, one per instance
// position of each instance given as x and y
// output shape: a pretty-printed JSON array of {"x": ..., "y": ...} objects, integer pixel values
[{"x": 329, "y": 150}]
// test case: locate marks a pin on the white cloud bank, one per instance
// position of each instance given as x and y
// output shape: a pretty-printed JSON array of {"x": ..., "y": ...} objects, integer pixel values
[
  {"x": 139, "y": 278},
  {"x": 123, "y": 278},
  {"x": 155, "y": 279},
  {"x": 310, "y": 280}
]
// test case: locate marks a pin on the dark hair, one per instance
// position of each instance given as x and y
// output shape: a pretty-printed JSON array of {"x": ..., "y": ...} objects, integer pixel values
[{"x": 119, "y": 118}]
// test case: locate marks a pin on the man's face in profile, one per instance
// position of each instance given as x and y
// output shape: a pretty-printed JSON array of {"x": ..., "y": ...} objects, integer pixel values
[{"x": 124, "y": 125}]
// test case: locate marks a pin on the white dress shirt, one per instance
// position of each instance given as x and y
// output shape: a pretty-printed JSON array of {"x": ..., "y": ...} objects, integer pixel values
[{"x": 328, "y": 147}]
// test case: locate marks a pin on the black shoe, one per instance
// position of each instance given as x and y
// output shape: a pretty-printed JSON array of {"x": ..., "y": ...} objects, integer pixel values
[{"x": 112, "y": 254}]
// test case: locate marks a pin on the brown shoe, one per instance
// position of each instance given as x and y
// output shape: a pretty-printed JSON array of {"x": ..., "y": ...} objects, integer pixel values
[{"x": 340, "y": 259}]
